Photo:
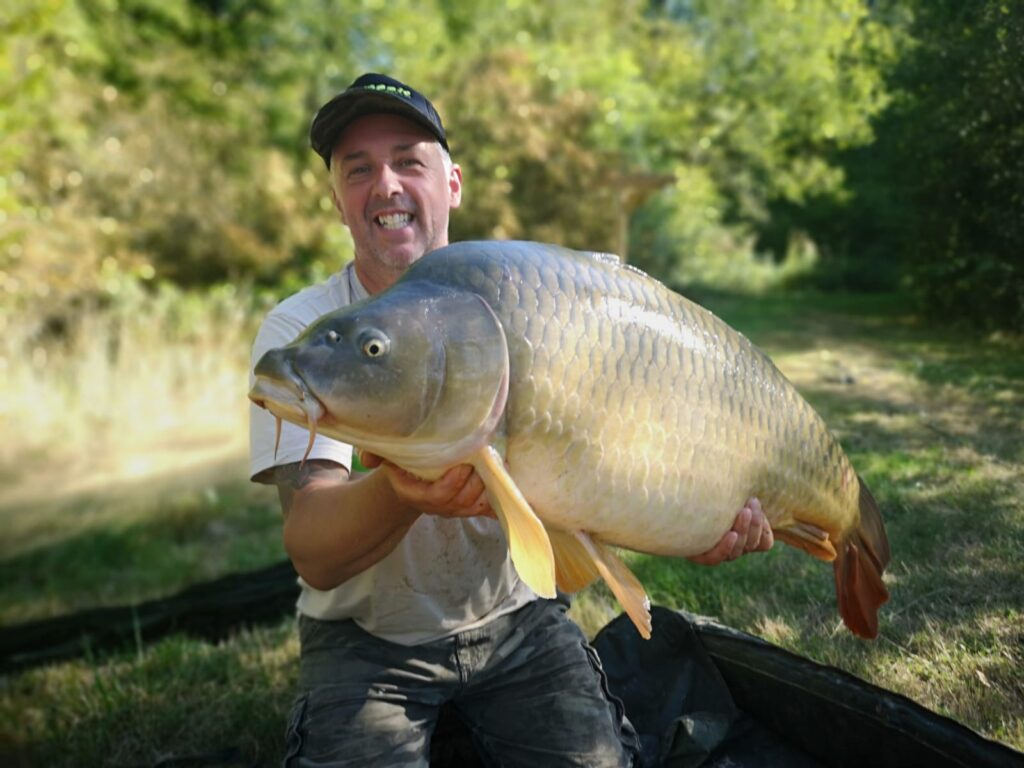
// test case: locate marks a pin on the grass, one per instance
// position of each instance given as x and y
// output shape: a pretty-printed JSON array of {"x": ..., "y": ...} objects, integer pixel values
[
  {"x": 133, "y": 544},
  {"x": 179, "y": 702},
  {"x": 128, "y": 481},
  {"x": 930, "y": 419}
]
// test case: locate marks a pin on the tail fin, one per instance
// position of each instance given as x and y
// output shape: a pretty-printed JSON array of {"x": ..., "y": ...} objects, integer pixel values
[{"x": 860, "y": 561}]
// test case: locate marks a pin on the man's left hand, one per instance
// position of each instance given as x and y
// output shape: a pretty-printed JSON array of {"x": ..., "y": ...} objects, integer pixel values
[{"x": 749, "y": 533}]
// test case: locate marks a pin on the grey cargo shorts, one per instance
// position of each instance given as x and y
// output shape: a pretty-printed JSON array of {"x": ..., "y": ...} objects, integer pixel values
[{"x": 527, "y": 685}]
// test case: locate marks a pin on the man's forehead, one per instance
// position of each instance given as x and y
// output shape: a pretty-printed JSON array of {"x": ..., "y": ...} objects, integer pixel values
[{"x": 381, "y": 132}]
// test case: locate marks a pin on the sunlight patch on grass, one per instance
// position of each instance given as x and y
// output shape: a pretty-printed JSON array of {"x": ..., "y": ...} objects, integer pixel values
[
  {"x": 775, "y": 630},
  {"x": 125, "y": 476}
]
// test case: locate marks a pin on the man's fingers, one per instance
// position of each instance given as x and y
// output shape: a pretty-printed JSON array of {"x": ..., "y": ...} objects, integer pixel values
[
  {"x": 732, "y": 543},
  {"x": 759, "y": 536},
  {"x": 718, "y": 553},
  {"x": 482, "y": 505},
  {"x": 469, "y": 492},
  {"x": 750, "y": 532},
  {"x": 459, "y": 492},
  {"x": 471, "y": 498},
  {"x": 741, "y": 527}
]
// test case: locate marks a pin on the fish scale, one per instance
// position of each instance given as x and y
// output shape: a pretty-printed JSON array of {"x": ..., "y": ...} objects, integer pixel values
[
  {"x": 628, "y": 385},
  {"x": 627, "y": 415}
]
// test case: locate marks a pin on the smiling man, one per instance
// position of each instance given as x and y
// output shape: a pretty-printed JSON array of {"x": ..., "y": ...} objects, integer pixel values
[
  {"x": 409, "y": 599},
  {"x": 394, "y": 191}
]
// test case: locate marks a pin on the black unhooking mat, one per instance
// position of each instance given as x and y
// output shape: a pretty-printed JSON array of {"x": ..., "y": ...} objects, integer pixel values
[
  {"x": 702, "y": 694},
  {"x": 679, "y": 702}
]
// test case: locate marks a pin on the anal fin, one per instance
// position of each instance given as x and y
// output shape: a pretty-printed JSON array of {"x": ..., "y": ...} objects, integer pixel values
[
  {"x": 574, "y": 566},
  {"x": 528, "y": 540},
  {"x": 623, "y": 584}
]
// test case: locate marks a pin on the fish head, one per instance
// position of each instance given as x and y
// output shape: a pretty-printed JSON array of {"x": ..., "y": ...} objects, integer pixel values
[{"x": 418, "y": 374}]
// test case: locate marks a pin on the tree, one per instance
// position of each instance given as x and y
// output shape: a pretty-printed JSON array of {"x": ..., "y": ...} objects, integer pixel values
[
  {"x": 960, "y": 129},
  {"x": 936, "y": 202}
]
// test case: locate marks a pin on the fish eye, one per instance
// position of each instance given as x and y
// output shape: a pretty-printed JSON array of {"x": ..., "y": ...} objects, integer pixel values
[{"x": 374, "y": 345}]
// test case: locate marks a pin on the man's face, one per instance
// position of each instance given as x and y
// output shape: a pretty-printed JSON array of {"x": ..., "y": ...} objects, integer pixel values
[{"x": 394, "y": 192}]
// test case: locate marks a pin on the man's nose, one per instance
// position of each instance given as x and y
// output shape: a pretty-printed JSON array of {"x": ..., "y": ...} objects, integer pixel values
[{"x": 387, "y": 182}]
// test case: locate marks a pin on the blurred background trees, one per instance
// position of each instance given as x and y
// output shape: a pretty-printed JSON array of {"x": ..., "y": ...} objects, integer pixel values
[{"x": 842, "y": 144}]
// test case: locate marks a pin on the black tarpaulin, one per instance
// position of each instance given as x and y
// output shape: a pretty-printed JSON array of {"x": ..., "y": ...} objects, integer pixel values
[{"x": 702, "y": 694}]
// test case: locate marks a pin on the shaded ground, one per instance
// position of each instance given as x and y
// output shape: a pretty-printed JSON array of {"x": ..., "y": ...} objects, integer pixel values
[{"x": 128, "y": 525}]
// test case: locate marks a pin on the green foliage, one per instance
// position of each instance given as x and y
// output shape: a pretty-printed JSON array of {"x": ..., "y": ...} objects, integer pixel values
[
  {"x": 788, "y": 82},
  {"x": 171, "y": 137},
  {"x": 523, "y": 148},
  {"x": 708, "y": 138},
  {"x": 962, "y": 124},
  {"x": 936, "y": 202}
]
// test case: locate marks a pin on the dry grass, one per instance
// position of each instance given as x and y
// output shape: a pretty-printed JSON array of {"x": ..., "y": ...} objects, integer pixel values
[{"x": 114, "y": 391}]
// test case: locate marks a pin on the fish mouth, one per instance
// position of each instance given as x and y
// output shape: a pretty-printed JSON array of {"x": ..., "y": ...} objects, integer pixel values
[{"x": 289, "y": 399}]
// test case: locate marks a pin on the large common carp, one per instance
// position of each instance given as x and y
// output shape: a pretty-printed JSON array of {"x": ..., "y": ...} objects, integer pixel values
[{"x": 599, "y": 408}]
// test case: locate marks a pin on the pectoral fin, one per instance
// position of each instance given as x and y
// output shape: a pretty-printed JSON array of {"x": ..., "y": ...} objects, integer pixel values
[
  {"x": 574, "y": 567},
  {"x": 528, "y": 541},
  {"x": 624, "y": 585}
]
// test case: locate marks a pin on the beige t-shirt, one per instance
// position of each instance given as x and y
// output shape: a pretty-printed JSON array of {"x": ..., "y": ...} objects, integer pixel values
[{"x": 445, "y": 576}]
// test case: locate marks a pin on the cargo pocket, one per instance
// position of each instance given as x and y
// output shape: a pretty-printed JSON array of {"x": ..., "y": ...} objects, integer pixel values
[{"x": 293, "y": 734}]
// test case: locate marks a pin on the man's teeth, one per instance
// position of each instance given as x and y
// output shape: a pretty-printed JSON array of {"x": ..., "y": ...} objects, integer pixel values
[{"x": 394, "y": 220}]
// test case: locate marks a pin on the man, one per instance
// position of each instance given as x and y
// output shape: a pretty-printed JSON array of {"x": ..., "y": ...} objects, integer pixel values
[{"x": 409, "y": 599}]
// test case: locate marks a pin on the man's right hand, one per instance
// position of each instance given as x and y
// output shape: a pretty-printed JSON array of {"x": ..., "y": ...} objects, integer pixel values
[{"x": 459, "y": 492}]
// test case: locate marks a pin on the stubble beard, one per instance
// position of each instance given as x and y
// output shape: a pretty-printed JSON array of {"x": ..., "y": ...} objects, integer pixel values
[
  {"x": 399, "y": 258},
  {"x": 393, "y": 262}
]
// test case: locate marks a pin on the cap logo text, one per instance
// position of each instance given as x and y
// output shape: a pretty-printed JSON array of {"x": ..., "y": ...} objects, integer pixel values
[{"x": 404, "y": 92}]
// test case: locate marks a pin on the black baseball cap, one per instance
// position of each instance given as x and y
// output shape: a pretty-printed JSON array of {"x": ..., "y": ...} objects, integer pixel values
[{"x": 369, "y": 94}]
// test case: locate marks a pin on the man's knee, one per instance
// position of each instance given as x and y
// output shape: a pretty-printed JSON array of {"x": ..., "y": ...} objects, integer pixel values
[
  {"x": 546, "y": 701},
  {"x": 341, "y": 726}
]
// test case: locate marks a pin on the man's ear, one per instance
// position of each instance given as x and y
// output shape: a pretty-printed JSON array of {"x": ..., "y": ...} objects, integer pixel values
[
  {"x": 337, "y": 206},
  {"x": 455, "y": 186}
]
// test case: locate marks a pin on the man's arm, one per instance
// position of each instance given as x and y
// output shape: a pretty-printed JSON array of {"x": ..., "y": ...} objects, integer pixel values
[{"x": 336, "y": 527}]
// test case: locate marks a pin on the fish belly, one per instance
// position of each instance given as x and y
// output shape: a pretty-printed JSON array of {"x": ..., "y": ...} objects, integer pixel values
[{"x": 616, "y": 505}]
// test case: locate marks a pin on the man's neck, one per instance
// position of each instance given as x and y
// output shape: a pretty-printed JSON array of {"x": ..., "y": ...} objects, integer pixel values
[{"x": 376, "y": 281}]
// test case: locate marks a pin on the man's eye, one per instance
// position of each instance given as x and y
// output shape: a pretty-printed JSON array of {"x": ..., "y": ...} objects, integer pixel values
[{"x": 357, "y": 170}]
